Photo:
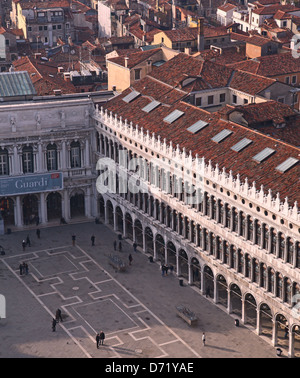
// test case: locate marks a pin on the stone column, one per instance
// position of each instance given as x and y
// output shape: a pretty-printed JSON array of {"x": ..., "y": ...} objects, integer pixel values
[
  {"x": 43, "y": 208},
  {"x": 18, "y": 213}
]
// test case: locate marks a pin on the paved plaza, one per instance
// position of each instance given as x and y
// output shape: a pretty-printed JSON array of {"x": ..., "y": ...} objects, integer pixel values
[{"x": 135, "y": 308}]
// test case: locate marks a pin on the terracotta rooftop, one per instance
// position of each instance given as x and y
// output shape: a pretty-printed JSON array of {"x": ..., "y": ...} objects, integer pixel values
[
  {"x": 226, "y": 7},
  {"x": 270, "y": 65},
  {"x": 287, "y": 184},
  {"x": 272, "y": 9},
  {"x": 44, "y": 76},
  {"x": 134, "y": 58}
]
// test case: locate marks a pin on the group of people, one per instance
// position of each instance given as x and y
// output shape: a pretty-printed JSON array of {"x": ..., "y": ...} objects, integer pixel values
[
  {"x": 26, "y": 243},
  {"x": 23, "y": 268},
  {"x": 100, "y": 339},
  {"x": 165, "y": 269}
]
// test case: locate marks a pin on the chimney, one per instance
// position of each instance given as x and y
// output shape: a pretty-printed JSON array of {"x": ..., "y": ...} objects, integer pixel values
[
  {"x": 200, "y": 35},
  {"x": 187, "y": 50},
  {"x": 126, "y": 61}
]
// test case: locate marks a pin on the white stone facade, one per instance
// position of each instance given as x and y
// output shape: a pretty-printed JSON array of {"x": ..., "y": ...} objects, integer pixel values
[{"x": 239, "y": 244}]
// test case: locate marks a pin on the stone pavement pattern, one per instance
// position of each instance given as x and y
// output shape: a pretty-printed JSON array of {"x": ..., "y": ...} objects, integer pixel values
[{"x": 135, "y": 308}]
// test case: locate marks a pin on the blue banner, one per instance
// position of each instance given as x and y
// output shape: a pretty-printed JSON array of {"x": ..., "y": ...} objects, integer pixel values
[{"x": 31, "y": 184}]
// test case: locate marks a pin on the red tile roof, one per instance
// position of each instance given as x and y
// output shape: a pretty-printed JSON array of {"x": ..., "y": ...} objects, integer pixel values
[
  {"x": 241, "y": 163},
  {"x": 270, "y": 65}
]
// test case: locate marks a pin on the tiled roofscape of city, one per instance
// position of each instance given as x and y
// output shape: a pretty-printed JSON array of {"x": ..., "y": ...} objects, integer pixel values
[{"x": 205, "y": 95}]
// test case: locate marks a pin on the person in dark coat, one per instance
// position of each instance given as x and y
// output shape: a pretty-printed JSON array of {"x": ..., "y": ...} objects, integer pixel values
[
  {"x": 28, "y": 241},
  {"x": 102, "y": 337},
  {"x": 38, "y": 233},
  {"x": 23, "y": 244},
  {"x": 130, "y": 259},
  {"x": 73, "y": 239},
  {"x": 53, "y": 325},
  {"x": 58, "y": 315},
  {"x": 97, "y": 340},
  {"x": 21, "y": 269},
  {"x": 115, "y": 245},
  {"x": 120, "y": 246},
  {"x": 93, "y": 240}
]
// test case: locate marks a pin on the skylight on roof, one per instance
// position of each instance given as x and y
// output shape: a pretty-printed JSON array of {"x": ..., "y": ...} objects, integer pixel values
[
  {"x": 131, "y": 96},
  {"x": 241, "y": 144},
  {"x": 151, "y": 106},
  {"x": 172, "y": 117},
  {"x": 199, "y": 125},
  {"x": 263, "y": 155},
  {"x": 221, "y": 136},
  {"x": 287, "y": 164}
]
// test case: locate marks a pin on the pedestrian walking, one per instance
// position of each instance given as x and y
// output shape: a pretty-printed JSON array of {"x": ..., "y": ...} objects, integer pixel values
[
  {"x": 23, "y": 244},
  {"x": 58, "y": 315},
  {"x": 130, "y": 259},
  {"x": 28, "y": 241},
  {"x": 21, "y": 269},
  {"x": 102, "y": 337},
  {"x": 38, "y": 233},
  {"x": 134, "y": 247},
  {"x": 93, "y": 240},
  {"x": 26, "y": 269},
  {"x": 115, "y": 245},
  {"x": 53, "y": 325},
  {"x": 203, "y": 339},
  {"x": 120, "y": 246},
  {"x": 163, "y": 269},
  {"x": 73, "y": 239},
  {"x": 97, "y": 340}
]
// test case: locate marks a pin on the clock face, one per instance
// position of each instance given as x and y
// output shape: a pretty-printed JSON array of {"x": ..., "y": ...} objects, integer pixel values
[{"x": 72, "y": 52}]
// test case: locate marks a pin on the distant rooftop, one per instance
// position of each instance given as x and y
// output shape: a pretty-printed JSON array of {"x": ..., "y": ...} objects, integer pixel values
[{"x": 16, "y": 84}]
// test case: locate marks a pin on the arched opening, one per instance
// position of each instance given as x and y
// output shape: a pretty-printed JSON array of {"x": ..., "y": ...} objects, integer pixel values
[
  {"x": 7, "y": 211},
  {"x": 222, "y": 295},
  {"x": 160, "y": 248},
  {"x": 30, "y": 209},
  {"x": 250, "y": 310},
  {"x": 208, "y": 282},
  {"x": 296, "y": 335},
  {"x": 110, "y": 213},
  {"x": 54, "y": 206},
  {"x": 183, "y": 264},
  {"x": 236, "y": 300},
  {"x": 149, "y": 248},
  {"x": 138, "y": 229},
  {"x": 266, "y": 320},
  {"x": 119, "y": 219},
  {"x": 77, "y": 204},
  {"x": 196, "y": 272},
  {"x": 282, "y": 329},
  {"x": 129, "y": 226},
  {"x": 101, "y": 203},
  {"x": 171, "y": 252}
]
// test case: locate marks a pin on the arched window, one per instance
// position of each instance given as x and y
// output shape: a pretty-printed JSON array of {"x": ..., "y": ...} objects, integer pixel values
[{"x": 4, "y": 167}]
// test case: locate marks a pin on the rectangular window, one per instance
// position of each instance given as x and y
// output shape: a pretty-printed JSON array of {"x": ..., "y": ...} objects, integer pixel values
[
  {"x": 40, "y": 28},
  {"x": 234, "y": 99},
  {"x": 54, "y": 27},
  {"x": 27, "y": 161},
  {"x": 3, "y": 164},
  {"x": 210, "y": 100},
  {"x": 222, "y": 97},
  {"x": 58, "y": 26},
  {"x": 45, "y": 27},
  {"x": 29, "y": 28},
  {"x": 51, "y": 160},
  {"x": 137, "y": 74},
  {"x": 294, "y": 79},
  {"x": 280, "y": 99},
  {"x": 287, "y": 80},
  {"x": 75, "y": 157},
  {"x": 198, "y": 101},
  {"x": 245, "y": 101}
]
